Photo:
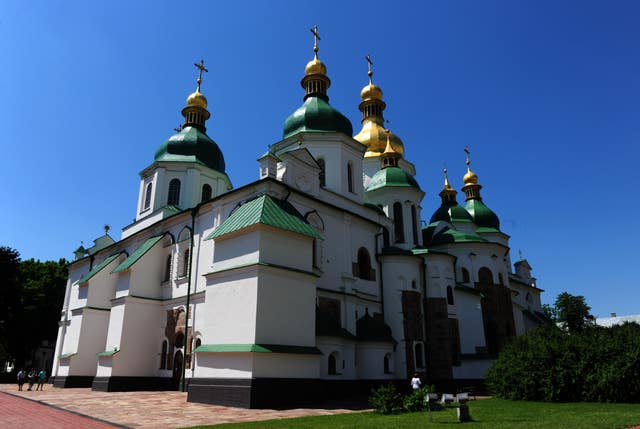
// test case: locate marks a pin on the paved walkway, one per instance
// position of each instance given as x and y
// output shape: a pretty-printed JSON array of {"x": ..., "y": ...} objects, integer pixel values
[{"x": 144, "y": 410}]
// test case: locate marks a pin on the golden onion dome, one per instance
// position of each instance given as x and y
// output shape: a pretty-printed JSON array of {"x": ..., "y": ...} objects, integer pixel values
[
  {"x": 197, "y": 99},
  {"x": 470, "y": 178},
  {"x": 374, "y": 137},
  {"x": 371, "y": 91},
  {"x": 315, "y": 66}
]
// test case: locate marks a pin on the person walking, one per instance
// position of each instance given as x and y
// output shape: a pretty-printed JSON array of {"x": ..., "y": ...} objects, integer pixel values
[
  {"x": 22, "y": 376},
  {"x": 32, "y": 378},
  {"x": 42, "y": 377},
  {"x": 415, "y": 381}
]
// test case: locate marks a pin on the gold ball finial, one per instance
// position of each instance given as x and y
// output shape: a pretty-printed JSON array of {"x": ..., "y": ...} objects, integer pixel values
[
  {"x": 447, "y": 185},
  {"x": 315, "y": 66},
  {"x": 196, "y": 98},
  {"x": 370, "y": 91}
]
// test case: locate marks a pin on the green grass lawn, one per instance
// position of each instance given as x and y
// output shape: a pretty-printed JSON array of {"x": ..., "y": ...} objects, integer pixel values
[{"x": 489, "y": 413}]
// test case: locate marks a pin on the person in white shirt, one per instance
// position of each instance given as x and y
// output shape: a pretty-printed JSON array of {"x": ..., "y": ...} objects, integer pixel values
[{"x": 415, "y": 381}]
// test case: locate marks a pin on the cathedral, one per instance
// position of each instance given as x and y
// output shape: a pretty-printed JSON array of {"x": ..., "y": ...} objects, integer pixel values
[{"x": 318, "y": 279}]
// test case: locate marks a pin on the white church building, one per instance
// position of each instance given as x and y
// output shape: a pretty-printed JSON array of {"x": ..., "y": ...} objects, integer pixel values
[{"x": 316, "y": 279}]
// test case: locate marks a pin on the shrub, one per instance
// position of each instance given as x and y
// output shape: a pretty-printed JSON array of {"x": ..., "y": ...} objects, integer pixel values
[
  {"x": 597, "y": 364},
  {"x": 415, "y": 401},
  {"x": 385, "y": 399}
]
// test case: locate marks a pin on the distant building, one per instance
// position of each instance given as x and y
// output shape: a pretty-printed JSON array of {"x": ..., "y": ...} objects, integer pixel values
[
  {"x": 617, "y": 320},
  {"x": 316, "y": 278}
]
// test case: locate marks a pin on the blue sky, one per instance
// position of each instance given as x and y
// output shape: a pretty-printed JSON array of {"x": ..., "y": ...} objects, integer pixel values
[{"x": 545, "y": 93}]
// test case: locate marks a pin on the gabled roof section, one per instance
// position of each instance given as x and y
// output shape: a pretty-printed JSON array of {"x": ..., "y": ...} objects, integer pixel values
[
  {"x": 99, "y": 268},
  {"x": 140, "y": 251},
  {"x": 266, "y": 210}
]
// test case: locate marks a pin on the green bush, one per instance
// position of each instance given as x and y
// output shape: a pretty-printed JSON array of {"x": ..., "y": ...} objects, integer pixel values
[
  {"x": 415, "y": 401},
  {"x": 386, "y": 399},
  {"x": 597, "y": 364}
]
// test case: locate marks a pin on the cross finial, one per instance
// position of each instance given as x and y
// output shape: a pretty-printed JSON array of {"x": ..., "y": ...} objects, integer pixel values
[
  {"x": 520, "y": 254},
  {"x": 201, "y": 68},
  {"x": 316, "y": 37},
  {"x": 106, "y": 228},
  {"x": 468, "y": 152},
  {"x": 369, "y": 64}
]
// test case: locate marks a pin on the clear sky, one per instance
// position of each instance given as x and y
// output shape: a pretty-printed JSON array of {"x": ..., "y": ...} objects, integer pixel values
[{"x": 545, "y": 93}]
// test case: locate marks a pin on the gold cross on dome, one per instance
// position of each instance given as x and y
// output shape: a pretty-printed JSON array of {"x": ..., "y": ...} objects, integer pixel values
[
  {"x": 369, "y": 64},
  {"x": 316, "y": 37},
  {"x": 201, "y": 68},
  {"x": 468, "y": 152}
]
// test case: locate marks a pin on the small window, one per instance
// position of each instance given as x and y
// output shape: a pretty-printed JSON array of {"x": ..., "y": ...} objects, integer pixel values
[
  {"x": 185, "y": 264},
  {"x": 350, "y": 176},
  {"x": 332, "y": 364},
  {"x": 414, "y": 224},
  {"x": 198, "y": 342},
  {"x": 465, "y": 276},
  {"x": 450, "y": 300},
  {"x": 398, "y": 224},
  {"x": 485, "y": 276},
  {"x": 147, "y": 196},
  {"x": 167, "y": 269},
  {"x": 419, "y": 355},
  {"x": 414, "y": 284},
  {"x": 322, "y": 172},
  {"x": 500, "y": 279},
  {"x": 364, "y": 270},
  {"x": 386, "y": 365},
  {"x": 206, "y": 193},
  {"x": 179, "y": 342},
  {"x": 173, "y": 198},
  {"x": 163, "y": 355}
]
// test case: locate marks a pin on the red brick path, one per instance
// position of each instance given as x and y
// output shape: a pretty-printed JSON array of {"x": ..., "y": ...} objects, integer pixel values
[{"x": 18, "y": 413}]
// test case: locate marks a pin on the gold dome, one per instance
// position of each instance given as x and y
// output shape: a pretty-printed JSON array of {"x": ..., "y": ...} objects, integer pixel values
[
  {"x": 470, "y": 178},
  {"x": 374, "y": 137},
  {"x": 197, "y": 99},
  {"x": 315, "y": 66},
  {"x": 371, "y": 91}
]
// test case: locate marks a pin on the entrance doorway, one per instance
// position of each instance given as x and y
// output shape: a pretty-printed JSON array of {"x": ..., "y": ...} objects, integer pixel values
[{"x": 177, "y": 369}]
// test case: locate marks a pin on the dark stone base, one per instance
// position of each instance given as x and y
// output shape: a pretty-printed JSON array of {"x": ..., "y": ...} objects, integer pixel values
[
  {"x": 130, "y": 384},
  {"x": 278, "y": 393},
  {"x": 73, "y": 381}
]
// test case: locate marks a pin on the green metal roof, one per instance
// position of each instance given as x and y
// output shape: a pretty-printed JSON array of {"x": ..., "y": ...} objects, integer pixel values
[
  {"x": 452, "y": 213},
  {"x": 392, "y": 176},
  {"x": 98, "y": 268},
  {"x": 316, "y": 115},
  {"x": 448, "y": 235},
  {"x": 108, "y": 353},
  {"x": 482, "y": 215},
  {"x": 192, "y": 145},
  {"x": 140, "y": 251},
  {"x": 268, "y": 211},
  {"x": 256, "y": 348},
  {"x": 67, "y": 355}
]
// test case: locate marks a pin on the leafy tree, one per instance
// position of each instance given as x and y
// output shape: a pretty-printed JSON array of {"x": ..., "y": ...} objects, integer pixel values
[
  {"x": 31, "y": 297},
  {"x": 572, "y": 312}
]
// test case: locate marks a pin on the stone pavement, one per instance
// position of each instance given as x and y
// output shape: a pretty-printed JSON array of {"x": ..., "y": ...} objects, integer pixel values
[{"x": 146, "y": 410}]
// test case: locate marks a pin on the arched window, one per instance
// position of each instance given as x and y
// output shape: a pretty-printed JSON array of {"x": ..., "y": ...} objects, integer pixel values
[
  {"x": 386, "y": 365},
  {"x": 322, "y": 172},
  {"x": 500, "y": 279},
  {"x": 332, "y": 364},
  {"x": 465, "y": 275},
  {"x": 163, "y": 355},
  {"x": 198, "y": 342},
  {"x": 185, "y": 264},
  {"x": 414, "y": 284},
  {"x": 414, "y": 224},
  {"x": 419, "y": 355},
  {"x": 173, "y": 198},
  {"x": 450, "y": 295},
  {"x": 485, "y": 276},
  {"x": 350, "y": 176},
  {"x": 167, "y": 269},
  {"x": 206, "y": 193},
  {"x": 179, "y": 342},
  {"x": 364, "y": 264},
  {"x": 398, "y": 224},
  {"x": 147, "y": 196}
]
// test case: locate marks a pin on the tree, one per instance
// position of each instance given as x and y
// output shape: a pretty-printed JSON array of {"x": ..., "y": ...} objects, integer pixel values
[
  {"x": 9, "y": 299},
  {"x": 572, "y": 312}
]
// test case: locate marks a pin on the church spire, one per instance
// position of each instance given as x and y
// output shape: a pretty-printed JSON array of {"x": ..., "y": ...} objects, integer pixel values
[
  {"x": 195, "y": 112},
  {"x": 390, "y": 156},
  {"x": 471, "y": 187},
  {"x": 315, "y": 81},
  {"x": 448, "y": 194}
]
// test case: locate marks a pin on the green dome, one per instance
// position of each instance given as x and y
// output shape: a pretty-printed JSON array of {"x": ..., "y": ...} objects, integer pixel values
[
  {"x": 448, "y": 235},
  {"x": 316, "y": 115},
  {"x": 482, "y": 215},
  {"x": 451, "y": 213},
  {"x": 392, "y": 176},
  {"x": 192, "y": 145}
]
